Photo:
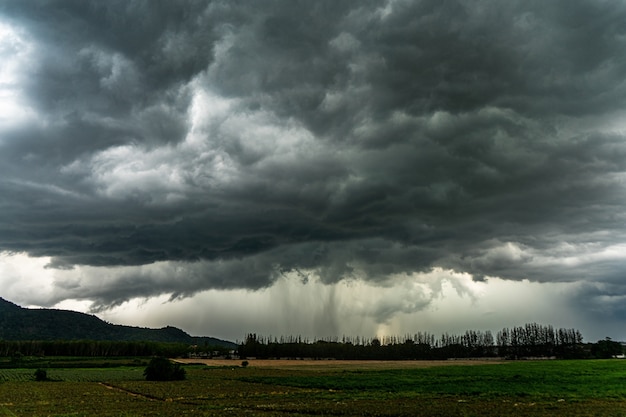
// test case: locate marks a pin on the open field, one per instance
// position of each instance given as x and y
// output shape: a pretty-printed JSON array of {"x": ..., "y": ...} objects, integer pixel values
[
  {"x": 327, "y": 364},
  {"x": 528, "y": 388}
]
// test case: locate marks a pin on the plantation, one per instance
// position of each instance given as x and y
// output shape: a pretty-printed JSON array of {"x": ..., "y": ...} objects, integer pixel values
[{"x": 529, "y": 388}]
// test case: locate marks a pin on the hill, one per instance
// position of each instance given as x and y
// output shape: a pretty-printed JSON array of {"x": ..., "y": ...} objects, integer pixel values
[{"x": 18, "y": 323}]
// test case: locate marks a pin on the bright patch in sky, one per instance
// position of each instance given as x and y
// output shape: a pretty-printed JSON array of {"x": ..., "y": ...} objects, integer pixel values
[
  {"x": 25, "y": 279},
  {"x": 436, "y": 302},
  {"x": 318, "y": 310},
  {"x": 15, "y": 61}
]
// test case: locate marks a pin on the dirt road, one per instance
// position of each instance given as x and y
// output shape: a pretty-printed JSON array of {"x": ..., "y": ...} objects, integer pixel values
[{"x": 296, "y": 363}]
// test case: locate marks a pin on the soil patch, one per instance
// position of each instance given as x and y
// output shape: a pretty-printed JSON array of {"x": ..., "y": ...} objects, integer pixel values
[{"x": 329, "y": 363}]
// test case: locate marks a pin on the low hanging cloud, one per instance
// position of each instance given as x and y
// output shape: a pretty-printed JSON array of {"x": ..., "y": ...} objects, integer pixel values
[{"x": 169, "y": 148}]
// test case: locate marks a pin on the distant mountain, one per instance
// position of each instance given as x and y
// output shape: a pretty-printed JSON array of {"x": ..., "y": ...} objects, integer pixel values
[{"x": 18, "y": 323}]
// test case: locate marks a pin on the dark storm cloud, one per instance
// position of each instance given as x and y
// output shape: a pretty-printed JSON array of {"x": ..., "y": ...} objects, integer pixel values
[{"x": 240, "y": 140}]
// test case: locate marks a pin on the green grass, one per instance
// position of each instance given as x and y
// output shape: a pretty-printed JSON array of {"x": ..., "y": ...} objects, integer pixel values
[
  {"x": 543, "y": 388},
  {"x": 75, "y": 374},
  {"x": 35, "y": 362},
  {"x": 540, "y": 379}
]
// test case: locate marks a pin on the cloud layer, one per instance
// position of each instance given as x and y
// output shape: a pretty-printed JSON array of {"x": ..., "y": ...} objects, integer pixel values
[{"x": 174, "y": 147}]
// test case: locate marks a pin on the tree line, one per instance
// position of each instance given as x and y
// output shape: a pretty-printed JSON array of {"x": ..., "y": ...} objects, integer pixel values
[
  {"x": 90, "y": 348},
  {"x": 529, "y": 340}
]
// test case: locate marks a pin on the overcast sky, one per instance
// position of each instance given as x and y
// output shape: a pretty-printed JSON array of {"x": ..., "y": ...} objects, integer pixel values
[{"x": 316, "y": 167}]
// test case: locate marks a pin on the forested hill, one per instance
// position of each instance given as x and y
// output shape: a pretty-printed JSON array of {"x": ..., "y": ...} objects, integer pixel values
[{"x": 18, "y": 323}]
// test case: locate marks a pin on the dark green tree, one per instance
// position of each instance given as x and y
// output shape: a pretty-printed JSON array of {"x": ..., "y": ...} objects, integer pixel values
[
  {"x": 607, "y": 348},
  {"x": 162, "y": 369}
]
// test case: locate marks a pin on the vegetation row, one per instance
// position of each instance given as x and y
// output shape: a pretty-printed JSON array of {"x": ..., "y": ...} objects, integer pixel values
[
  {"x": 530, "y": 340},
  {"x": 17, "y": 349}
]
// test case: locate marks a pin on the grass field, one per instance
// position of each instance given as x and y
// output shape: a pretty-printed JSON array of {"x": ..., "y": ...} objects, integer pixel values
[{"x": 528, "y": 388}]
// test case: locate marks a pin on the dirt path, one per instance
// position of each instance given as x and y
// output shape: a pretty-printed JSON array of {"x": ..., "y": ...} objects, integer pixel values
[
  {"x": 295, "y": 363},
  {"x": 131, "y": 393}
]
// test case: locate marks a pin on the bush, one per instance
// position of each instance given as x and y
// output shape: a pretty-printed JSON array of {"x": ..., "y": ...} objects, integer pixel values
[
  {"x": 17, "y": 357},
  {"x": 162, "y": 369},
  {"x": 244, "y": 363},
  {"x": 41, "y": 375}
]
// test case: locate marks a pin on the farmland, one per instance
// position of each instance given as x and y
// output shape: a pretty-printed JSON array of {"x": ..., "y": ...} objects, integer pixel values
[{"x": 530, "y": 388}]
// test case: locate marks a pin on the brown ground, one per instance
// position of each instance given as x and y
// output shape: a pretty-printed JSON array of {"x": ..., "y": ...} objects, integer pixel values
[{"x": 326, "y": 364}]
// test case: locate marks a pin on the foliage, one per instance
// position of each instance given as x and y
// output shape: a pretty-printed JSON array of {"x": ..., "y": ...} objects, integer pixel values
[
  {"x": 532, "y": 388},
  {"x": 17, "y": 357},
  {"x": 49, "y": 362},
  {"x": 530, "y": 340},
  {"x": 88, "y": 348},
  {"x": 162, "y": 369},
  {"x": 607, "y": 348},
  {"x": 538, "y": 379},
  {"x": 41, "y": 375},
  {"x": 75, "y": 374}
]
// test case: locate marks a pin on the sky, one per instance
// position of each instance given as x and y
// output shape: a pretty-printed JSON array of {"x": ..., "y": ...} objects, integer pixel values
[{"x": 359, "y": 168}]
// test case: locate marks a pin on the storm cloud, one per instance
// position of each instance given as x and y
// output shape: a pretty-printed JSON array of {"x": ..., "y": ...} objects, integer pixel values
[{"x": 176, "y": 147}]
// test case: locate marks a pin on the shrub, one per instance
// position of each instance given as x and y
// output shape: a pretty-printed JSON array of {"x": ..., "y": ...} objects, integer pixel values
[
  {"x": 41, "y": 375},
  {"x": 162, "y": 369},
  {"x": 244, "y": 363},
  {"x": 17, "y": 357}
]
